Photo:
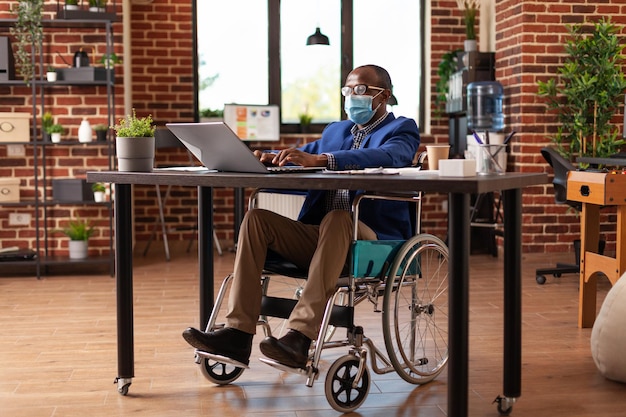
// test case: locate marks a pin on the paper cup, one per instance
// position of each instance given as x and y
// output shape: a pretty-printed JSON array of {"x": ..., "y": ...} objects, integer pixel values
[{"x": 435, "y": 154}]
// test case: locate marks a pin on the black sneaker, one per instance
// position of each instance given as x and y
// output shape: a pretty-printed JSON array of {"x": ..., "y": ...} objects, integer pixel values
[{"x": 229, "y": 342}]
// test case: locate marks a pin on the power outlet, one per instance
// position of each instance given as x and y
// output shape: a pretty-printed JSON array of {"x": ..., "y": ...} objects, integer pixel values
[
  {"x": 16, "y": 150},
  {"x": 19, "y": 219}
]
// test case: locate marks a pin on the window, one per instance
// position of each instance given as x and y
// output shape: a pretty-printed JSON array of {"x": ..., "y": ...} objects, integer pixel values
[{"x": 255, "y": 52}]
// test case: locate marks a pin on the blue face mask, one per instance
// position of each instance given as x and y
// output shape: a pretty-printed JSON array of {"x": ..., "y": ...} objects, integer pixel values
[{"x": 359, "y": 108}]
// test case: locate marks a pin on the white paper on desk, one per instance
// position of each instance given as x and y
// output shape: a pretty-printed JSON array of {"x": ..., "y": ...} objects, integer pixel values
[
  {"x": 186, "y": 169},
  {"x": 366, "y": 171},
  {"x": 417, "y": 172}
]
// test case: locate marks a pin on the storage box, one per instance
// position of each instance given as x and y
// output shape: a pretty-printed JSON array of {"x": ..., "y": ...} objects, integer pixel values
[
  {"x": 457, "y": 168},
  {"x": 83, "y": 74},
  {"x": 9, "y": 190},
  {"x": 71, "y": 190},
  {"x": 14, "y": 127}
]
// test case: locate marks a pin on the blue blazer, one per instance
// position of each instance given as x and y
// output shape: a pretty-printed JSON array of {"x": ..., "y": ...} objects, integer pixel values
[{"x": 393, "y": 144}]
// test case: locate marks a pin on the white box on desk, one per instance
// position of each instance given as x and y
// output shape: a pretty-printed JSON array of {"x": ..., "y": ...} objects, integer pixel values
[
  {"x": 9, "y": 190},
  {"x": 14, "y": 127},
  {"x": 457, "y": 168}
]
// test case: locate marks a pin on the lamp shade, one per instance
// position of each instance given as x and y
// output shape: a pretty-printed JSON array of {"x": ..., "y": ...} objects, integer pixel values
[{"x": 318, "y": 38}]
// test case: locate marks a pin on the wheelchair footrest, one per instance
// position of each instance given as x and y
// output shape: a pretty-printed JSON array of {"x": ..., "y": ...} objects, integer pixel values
[
  {"x": 221, "y": 359},
  {"x": 341, "y": 316}
]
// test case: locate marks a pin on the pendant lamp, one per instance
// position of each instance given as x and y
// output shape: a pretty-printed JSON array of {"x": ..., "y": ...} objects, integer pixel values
[{"x": 318, "y": 38}]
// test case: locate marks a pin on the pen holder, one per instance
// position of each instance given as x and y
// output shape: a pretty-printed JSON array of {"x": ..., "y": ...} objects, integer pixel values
[{"x": 491, "y": 159}]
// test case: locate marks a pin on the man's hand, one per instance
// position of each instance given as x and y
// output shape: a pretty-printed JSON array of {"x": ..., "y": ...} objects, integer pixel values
[{"x": 292, "y": 156}]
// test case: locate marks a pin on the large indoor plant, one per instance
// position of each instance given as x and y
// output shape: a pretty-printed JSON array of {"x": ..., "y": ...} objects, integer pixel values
[
  {"x": 134, "y": 143},
  {"x": 587, "y": 91},
  {"x": 28, "y": 33}
]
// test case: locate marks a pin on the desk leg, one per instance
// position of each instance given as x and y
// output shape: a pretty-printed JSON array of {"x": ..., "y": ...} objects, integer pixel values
[
  {"x": 205, "y": 253},
  {"x": 124, "y": 282},
  {"x": 459, "y": 243},
  {"x": 512, "y": 294}
]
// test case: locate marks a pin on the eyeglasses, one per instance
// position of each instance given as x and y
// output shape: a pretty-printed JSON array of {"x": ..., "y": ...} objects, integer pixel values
[{"x": 359, "y": 89}]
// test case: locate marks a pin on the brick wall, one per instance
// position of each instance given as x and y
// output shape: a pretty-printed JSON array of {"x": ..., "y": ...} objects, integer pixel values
[{"x": 528, "y": 47}]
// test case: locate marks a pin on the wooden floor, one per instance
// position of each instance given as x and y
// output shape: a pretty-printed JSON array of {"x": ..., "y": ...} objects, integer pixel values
[{"x": 58, "y": 353}]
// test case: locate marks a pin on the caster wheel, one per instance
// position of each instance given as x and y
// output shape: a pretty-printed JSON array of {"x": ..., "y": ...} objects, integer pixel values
[
  {"x": 540, "y": 279},
  {"x": 504, "y": 405},
  {"x": 340, "y": 392},
  {"x": 218, "y": 372},
  {"x": 123, "y": 384}
]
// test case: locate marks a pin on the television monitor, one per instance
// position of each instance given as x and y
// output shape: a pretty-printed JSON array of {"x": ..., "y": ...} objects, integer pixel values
[{"x": 253, "y": 122}]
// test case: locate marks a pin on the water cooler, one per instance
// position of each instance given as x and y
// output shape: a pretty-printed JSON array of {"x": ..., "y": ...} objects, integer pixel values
[
  {"x": 472, "y": 67},
  {"x": 475, "y": 103}
]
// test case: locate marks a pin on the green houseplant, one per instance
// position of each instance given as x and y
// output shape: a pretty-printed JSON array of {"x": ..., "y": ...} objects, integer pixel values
[
  {"x": 587, "y": 91},
  {"x": 469, "y": 8},
  {"x": 46, "y": 122},
  {"x": 78, "y": 231},
  {"x": 97, "y": 5},
  {"x": 305, "y": 122},
  {"x": 55, "y": 131},
  {"x": 101, "y": 132},
  {"x": 99, "y": 191},
  {"x": 134, "y": 143},
  {"x": 28, "y": 33},
  {"x": 449, "y": 65}
]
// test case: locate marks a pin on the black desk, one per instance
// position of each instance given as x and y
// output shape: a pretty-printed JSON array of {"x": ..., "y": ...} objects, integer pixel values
[{"x": 459, "y": 191}]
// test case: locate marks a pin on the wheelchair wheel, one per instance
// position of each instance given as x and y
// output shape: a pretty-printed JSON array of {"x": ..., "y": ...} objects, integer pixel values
[
  {"x": 340, "y": 392},
  {"x": 415, "y": 309},
  {"x": 218, "y": 372}
]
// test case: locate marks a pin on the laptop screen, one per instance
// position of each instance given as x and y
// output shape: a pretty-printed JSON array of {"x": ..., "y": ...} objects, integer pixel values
[{"x": 253, "y": 122}]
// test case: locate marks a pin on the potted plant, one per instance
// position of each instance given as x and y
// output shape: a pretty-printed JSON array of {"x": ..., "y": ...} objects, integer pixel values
[
  {"x": 98, "y": 6},
  {"x": 79, "y": 231},
  {"x": 55, "y": 132},
  {"x": 449, "y": 65},
  {"x": 101, "y": 132},
  {"x": 51, "y": 74},
  {"x": 71, "y": 4},
  {"x": 99, "y": 192},
  {"x": 46, "y": 122},
  {"x": 109, "y": 60},
  {"x": 28, "y": 33},
  {"x": 469, "y": 7},
  {"x": 209, "y": 115},
  {"x": 134, "y": 143},
  {"x": 587, "y": 91},
  {"x": 305, "y": 122}
]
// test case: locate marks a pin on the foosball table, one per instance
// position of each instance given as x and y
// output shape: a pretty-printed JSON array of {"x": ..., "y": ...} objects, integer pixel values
[{"x": 595, "y": 190}]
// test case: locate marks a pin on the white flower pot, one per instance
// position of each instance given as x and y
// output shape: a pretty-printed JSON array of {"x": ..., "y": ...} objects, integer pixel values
[
  {"x": 470, "y": 45},
  {"x": 51, "y": 76},
  {"x": 78, "y": 249},
  {"x": 55, "y": 137},
  {"x": 99, "y": 196}
]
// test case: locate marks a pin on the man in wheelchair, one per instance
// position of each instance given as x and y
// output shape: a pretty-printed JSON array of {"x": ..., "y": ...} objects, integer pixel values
[{"x": 320, "y": 239}]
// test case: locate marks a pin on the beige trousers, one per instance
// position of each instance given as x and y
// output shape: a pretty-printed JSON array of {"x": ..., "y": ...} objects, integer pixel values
[{"x": 323, "y": 249}]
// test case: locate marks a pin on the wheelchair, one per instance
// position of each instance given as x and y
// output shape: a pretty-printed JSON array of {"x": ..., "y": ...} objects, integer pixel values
[{"x": 407, "y": 284}]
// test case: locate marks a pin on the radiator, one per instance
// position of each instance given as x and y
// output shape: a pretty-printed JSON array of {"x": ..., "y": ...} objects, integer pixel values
[{"x": 286, "y": 204}]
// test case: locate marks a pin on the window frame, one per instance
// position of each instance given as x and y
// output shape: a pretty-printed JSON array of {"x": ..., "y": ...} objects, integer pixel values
[{"x": 274, "y": 64}]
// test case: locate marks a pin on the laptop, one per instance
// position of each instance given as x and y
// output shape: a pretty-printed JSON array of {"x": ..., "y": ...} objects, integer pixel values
[{"x": 219, "y": 148}]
